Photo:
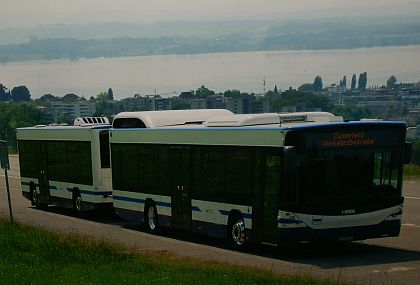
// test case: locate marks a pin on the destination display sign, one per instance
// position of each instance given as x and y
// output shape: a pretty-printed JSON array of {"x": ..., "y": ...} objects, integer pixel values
[{"x": 347, "y": 137}]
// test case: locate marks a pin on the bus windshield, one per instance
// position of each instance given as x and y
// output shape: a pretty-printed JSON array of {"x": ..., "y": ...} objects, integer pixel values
[{"x": 349, "y": 178}]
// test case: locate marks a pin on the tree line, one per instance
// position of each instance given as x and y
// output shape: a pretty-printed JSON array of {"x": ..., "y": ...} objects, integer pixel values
[{"x": 17, "y": 94}]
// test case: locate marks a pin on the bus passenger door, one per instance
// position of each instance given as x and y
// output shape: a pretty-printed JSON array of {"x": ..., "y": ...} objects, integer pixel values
[
  {"x": 44, "y": 186},
  {"x": 180, "y": 168},
  {"x": 269, "y": 198}
]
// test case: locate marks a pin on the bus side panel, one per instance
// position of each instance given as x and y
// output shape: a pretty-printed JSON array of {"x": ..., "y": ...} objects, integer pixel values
[{"x": 211, "y": 218}]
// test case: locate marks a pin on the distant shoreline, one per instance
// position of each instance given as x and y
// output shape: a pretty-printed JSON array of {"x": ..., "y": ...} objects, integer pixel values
[{"x": 285, "y": 51}]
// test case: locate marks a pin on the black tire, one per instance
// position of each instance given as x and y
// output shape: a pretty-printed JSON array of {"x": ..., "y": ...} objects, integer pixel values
[
  {"x": 236, "y": 231},
  {"x": 78, "y": 203},
  {"x": 151, "y": 219}
]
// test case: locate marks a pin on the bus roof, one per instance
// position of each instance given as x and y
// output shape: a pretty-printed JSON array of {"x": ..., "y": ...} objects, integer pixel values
[
  {"x": 73, "y": 133},
  {"x": 242, "y": 120},
  {"x": 215, "y": 118},
  {"x": 153, "y": 119}
]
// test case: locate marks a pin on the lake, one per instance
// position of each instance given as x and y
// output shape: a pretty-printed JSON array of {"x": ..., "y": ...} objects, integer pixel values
[{"x": 171, "y": 74}]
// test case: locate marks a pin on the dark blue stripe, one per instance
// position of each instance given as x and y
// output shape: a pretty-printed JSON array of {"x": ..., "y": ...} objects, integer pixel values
[
  {"x": 52, "y": 187},
  {"x": 247, "y": 216},
  {"x": 95, "y": 193},
  {"x": 27, "y": 183},
  {"x": 141, "y": 201},
  {"x": 129, "y": 199},
  {"x": 101, "y": 127},
  {"x": 163, "y": 204},
  {"x": 287, "y": 221},
  {"x": 103, "y": 193},
  {"x": 244, "y": 215},
  {"x": 195, "y": 209},
  {"x": 224, "y": 212}
]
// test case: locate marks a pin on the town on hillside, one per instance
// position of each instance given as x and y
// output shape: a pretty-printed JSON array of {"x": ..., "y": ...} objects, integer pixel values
[{"x": 353, "y": 101}]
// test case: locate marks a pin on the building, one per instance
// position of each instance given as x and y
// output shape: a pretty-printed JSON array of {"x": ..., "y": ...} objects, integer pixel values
[
  {"x": 58, "y": 110},
  {"x": 247, "y": 105}
]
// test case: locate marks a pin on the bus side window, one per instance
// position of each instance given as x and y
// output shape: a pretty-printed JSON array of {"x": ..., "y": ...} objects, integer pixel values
[{"x": 104, "y": 149}]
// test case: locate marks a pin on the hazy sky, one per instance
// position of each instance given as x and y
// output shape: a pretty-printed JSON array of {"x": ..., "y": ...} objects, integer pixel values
[{"x": 28, "y": 13}]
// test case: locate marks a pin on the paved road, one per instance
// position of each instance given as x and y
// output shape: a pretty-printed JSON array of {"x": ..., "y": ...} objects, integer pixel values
[{"x": 379, "y": 261}]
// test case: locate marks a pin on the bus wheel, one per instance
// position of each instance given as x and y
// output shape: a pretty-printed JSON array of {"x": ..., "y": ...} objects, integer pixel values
[
  {"x": 151, "y": 218},
  {"x": 77, "y": 203},
  {"x": 237, "y": 231}
]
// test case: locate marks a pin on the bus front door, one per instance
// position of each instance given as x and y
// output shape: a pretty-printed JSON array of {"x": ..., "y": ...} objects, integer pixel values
[
  {"x": 269, "y": 199},
  {"x": 180, "y": 165},
  {"x": 44, "y": 186}
]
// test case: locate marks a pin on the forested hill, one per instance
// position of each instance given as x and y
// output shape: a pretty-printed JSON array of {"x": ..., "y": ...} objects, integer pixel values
[{"x": 257, "y": 36}]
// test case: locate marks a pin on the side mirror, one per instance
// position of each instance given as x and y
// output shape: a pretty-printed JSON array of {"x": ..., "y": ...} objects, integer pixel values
[{"x": 407, "y": 153}]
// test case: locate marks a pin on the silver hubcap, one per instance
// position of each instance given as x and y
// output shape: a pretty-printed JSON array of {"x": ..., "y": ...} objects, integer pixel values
[
  {"x": 34, "y": 197},
  {"x": 78, "y": 203},
  {"x": 238, "y": 232},
  {"x": 151, "y": 214}
]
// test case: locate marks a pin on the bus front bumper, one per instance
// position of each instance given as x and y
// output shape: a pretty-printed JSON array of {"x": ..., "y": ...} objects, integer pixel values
[{"x": 389, "y": 228}]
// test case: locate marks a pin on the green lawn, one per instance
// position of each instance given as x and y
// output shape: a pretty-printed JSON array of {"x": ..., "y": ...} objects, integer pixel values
[
  {"x": 411, "y": 171},
  {"x": 34, "y": 256}
]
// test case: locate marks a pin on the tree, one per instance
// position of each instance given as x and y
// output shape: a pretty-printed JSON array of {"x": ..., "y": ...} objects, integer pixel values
[
  {"x": 390, "y": 83},
  {"x": 186, "y": 95},
  {"x": 14, "y": 116},
  {"x": 353, "y": 82},
  {"x": 351, "y": 112},
  {"x": 110, "y": 94},
  {"x": 318, "y": 83},
  {"x": 71, "y": 97},
  {"x": 299, "y": 99},
  {"x": 203, "y": 92},
  {"x": 362, "y": 81},
  {"x": 344, "y": 81},
  {"x": 48, "y": 97},
  {"x": 232, "y": 93},
  {"x": 20, "y": 94},
  {"x": 306, "y": 88},
  {"x": 103, "y": 96},
  {"x": 4, "y": 95}
]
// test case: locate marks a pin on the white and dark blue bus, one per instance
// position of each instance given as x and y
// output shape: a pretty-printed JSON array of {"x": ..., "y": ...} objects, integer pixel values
[
  {"x": 267, "y": 178},
  {"x": 67, "y": 166}
]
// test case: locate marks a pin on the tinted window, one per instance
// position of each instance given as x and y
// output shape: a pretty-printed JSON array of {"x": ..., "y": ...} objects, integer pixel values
[
  {"x": 70, "y": 162},
  {"x": 140, "y": 168},
  {"x": 28, "y": 158},
  {"x": 223, "y": 174},
  {"x": 126, "y": 123},
  {"x": 104, "y": 148},
  {"x": 67, "y": 161}
]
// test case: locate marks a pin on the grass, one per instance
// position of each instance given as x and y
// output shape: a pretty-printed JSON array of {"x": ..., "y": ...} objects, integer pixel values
[
  {"x": 34, "y": 256},
  {"x": 412, "y": 171}
]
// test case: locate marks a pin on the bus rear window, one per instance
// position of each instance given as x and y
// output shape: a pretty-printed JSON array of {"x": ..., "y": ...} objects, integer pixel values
[{"x": 128, "y": 123}]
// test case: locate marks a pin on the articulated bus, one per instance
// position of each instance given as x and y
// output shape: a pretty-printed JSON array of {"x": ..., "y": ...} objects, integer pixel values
[
  {"x": 67, "y": 166},
  {"x": 266, "y": 178}
]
